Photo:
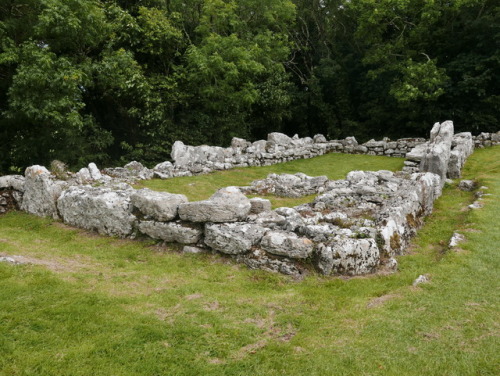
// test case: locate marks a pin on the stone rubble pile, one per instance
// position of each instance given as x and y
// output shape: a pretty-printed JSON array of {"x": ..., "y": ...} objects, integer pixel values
[{"x": 353, "y": 226}]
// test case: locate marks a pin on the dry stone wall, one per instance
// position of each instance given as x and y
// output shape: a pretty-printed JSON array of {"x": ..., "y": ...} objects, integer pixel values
[{"x": 354, "y": 226}]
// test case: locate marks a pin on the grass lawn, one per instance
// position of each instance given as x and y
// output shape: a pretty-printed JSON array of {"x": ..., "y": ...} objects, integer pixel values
[
  {"x": 90, "y": 305},
  {"x": 333, "y": 165}
]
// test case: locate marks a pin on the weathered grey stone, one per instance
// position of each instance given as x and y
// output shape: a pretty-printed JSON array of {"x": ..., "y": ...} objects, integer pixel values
[
  {"x": 240, "y": 143},
  {"x": 354, "y": 256},
  {"x": 233, "y": 238},
  {"x": 259, "y": 205},
  {"x": 179, "y": 153},
  {"x": 258, "y": 259},
  {"x": 193, "y": 250},
  {"x": 226, "y": 205},
  {"x": 293, "y": 219},
  {"x": 41, "y": 192},
  {"x": 456, "y": 239},
  {"x": 184, "y": 233},
  {"x": 160, "y": 206},
  {"x": 324, "y": 259},
  {"x": 455, "y": 164},
  {"x": 95, "y": 174},
  {"x": 423, "y": 278},
  {"x": 270, "y": 219},
  {"x": 467, "y": 185},
  {"x": 138, "y": 170},
  {"x": 163, "y": 170},
  {"x": 417, "y": 153},
  {"x": 83, "y": 176},
  {"x": 279, "y": 138},
  {"x": 12, "y": 182},
  {"x": 437, "y": 154},
  {"x": 319, "y": 139},
  {"x": 287, "y": 244},
  {"x": 98, "y": 209},
  {"x": 350, "y": 141},
  {"x": 476, "y": 205},
  {"x": 391, "y": 265}
]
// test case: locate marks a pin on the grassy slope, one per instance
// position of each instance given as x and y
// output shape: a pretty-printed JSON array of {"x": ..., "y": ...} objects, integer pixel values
[
  {"x": 334, "y": 166},
  {"x": 110, "y": 307}
]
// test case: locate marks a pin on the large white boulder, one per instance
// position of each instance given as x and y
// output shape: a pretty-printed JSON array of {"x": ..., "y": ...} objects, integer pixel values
[
  {"x": 41, "y": 192},
  {"x": 348, "y": 256},
  {"x": 98, "y": 209}
]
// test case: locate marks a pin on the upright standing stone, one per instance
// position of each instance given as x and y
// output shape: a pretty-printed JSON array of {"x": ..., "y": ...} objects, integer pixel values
[{"x": 41, "y": 192}]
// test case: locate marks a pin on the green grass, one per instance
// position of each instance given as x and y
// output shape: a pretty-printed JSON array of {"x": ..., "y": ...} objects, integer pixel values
[
  {"x": 90, "y": 305},
  {"x": 334, "y": 166}
]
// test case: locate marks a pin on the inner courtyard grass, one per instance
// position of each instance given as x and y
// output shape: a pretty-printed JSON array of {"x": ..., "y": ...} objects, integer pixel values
[
  {"x": 91, "y": 305},
  {"x": 333, "y": 165}
]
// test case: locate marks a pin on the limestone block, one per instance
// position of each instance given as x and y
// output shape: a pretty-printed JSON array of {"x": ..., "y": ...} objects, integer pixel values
[
  {"x": 287, "y": 244},
  {"x": 178, "y": 232},
  {"x": 164, "y": 170},
  {"x": 259, "y": 205},
  {"x": 455, "y": 164},
  {"x": 233, "y": 238},
  {"x": 160, "y": 206},
  {"x": 319, "y": 138},
  {"x": 99, "y": 209},
  {"x": 279, "y": 138},
  {"x": 41, "y": 192},
  {"x": 12, "y": 182},
  {"x": 436, "y": 160},
  {"x": 83, "y": 176},
  {"x": 95, "y": 174},
  {"x": 226, "y": 205},
  {"x": 352, "y": 256}
]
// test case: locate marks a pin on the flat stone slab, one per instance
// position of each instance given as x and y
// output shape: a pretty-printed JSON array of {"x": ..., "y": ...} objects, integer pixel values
[
  {"x": 226, "y": 205},
  {"x": 160, "y": 206},
  {"x": 171, "y": 232}
]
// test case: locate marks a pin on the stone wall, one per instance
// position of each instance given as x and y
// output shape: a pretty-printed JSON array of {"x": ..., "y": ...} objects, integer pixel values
[
  {"x": 278, "y": 148},
  {"x": 354, "y": 226},
  {"x": 486, "y": 139}
]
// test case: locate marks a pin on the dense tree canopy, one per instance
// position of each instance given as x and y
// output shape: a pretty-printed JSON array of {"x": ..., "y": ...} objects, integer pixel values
[{"x": 110, "y": 81}]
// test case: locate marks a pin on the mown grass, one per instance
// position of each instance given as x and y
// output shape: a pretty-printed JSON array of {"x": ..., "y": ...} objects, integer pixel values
[
  {"x": 334, "y": 166},
  {"x": 91, "y": 305}
]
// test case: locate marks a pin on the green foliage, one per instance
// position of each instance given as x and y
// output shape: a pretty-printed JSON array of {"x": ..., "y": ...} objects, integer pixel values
[{"x": 111, "y": 81}]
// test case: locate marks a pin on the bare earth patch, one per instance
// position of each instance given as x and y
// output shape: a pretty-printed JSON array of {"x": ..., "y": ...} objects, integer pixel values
[
  {"x": 380, "y": 300},
  {"x": 61, "y": 265}
]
